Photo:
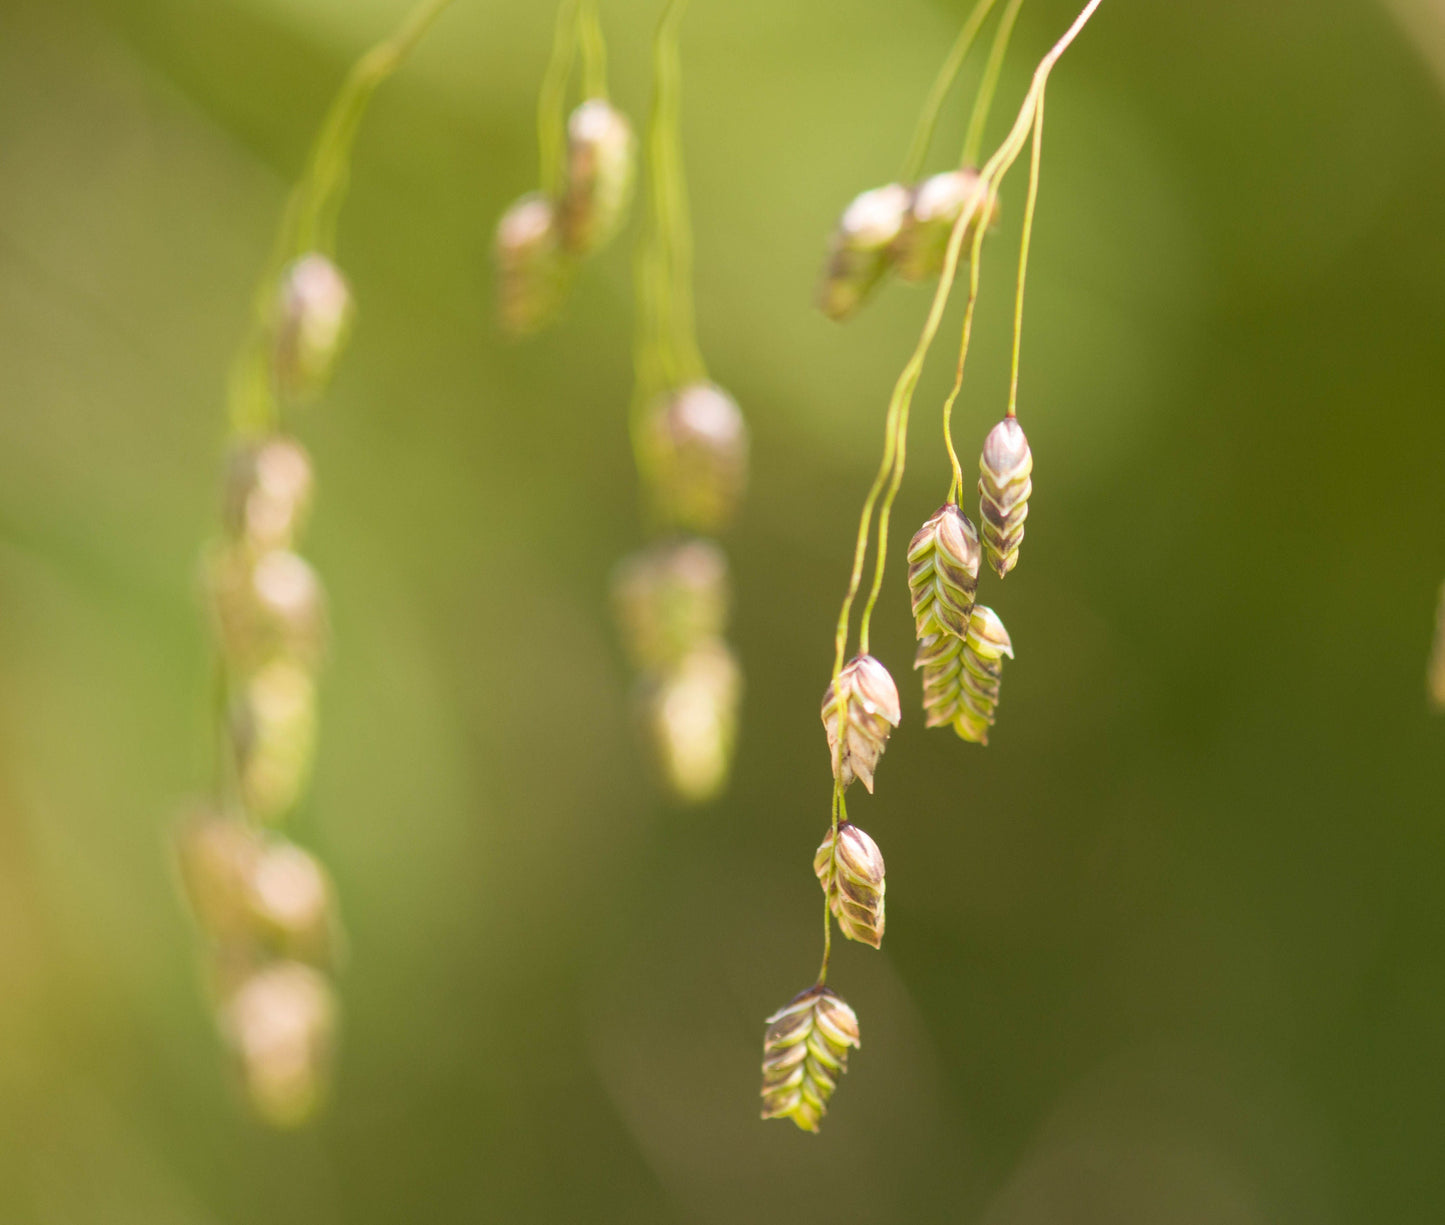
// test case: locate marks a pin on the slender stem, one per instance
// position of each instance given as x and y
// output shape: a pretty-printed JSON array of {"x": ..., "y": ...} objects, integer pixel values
[
  {"x": 942, "y": 83},
  {"x": 975, "y": 260},
  {"x": 1033, "y": 198},
  {"x": 552, "y": 98},
  {"x": 594, "y": 52},
  {"x": 988, "y": 84}
]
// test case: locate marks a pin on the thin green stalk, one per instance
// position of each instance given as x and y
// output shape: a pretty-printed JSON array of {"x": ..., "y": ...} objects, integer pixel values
[
  {"x": 942, "y": 83},
  {"x": 988, "y": 84},
  {"x": 594, "y": 52},
  {"x": 1033, "y": 199},
  {"x": 552, "y": 98},
  {"x": 309, "y": 220}
]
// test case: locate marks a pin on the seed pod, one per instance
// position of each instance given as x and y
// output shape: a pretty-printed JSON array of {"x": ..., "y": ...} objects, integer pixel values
[
  {"x": 861, "y": 250},
  {"x": 273, "y": 732},
  {"x": 697, "y": 444},
  {"x": 267, "y": 492},
  {"x": 691, "y": 714},
  {"x": 940, "y": 656},
  {"x": 313, "y": 317},
  {"x": 850, "y": 869},
  {"x": 531, "y": 268},
  {"x": 870, "y": 709},
  {"x": 669, "y": 600},
  {"x": 216, "y": 855},
  {"x": 1437, "y": 658},
  {"x": 805, "y": 1050},
  {"x": 943, "y": 560},
  {"x": 935, "y": 208},
  {"x": 265, "y": 606},
  {"x": 292, "y": 903},
  {"x": 601, "y": 164},
  {"x": 983, "y": 651},
  {"x": 281, "y": 1022},
  {"x": 1004, "y": 486}
]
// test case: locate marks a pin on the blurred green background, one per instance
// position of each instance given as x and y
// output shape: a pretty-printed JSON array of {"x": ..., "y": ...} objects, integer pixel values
[{"x": 1168, "y": 951}]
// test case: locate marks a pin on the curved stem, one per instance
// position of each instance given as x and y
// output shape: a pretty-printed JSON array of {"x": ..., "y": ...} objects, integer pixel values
[
  {"x": 594, "y": 52},
  {"x": 552, "y": 98},
  {"x": 942, "y": 83},
  {"x": 988, "y": 84},
  {"x": 1033, "y": 197}
]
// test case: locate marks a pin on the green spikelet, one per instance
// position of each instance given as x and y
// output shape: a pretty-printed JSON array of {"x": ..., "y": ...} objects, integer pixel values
[
  {"x": 850, "y": 869},
  {"x": 805, "y": 1050},
  {"x": 937, "y": 203},
  {"x": 861, "y": 251},
  {"x": 1004, "y": 486},
  {"x": 943, "y": 561},
  {"x": 601, "y": 167},
  {"x": 982, "y": 658},
  {"x": 870, "y": 709},
  {"x": 940, "y": 657}
]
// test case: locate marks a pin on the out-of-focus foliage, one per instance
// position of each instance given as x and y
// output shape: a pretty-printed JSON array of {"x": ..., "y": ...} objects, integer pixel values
[{"x": 1167, "y": 951}]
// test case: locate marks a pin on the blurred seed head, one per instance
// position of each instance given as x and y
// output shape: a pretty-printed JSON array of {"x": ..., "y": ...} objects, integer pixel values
[
  {"x": 870, "y": 708},
  {"x": 697, "y": 445},
  {"x": 268, "y": 486},
  {"x": 1004, "y": 486},
  {"x": 980, "y": 677},
  {"x": 861, "y": 250},
  {"x": 943, "y": 561},
  {"x": 934, "y": 209},
  {"x": 1437, "y": 657},
  {"x": 601, "y": 168},
  {"x": 273, "y": 732},
  {"x": 531, "y": 267},
  {"x": 292, "y": 902},
  {"x": 266, "y": 605},
  {"x": 313, "y": 317},
  {"x": 281, "y": 1022},
  {"x": 850, "y": 869},
  {"x": 691, "y": 713},
  {"x": 805, "y": 1050},
  {"x": 215, "y": 855},
  {"x": 670, "y": 599}
]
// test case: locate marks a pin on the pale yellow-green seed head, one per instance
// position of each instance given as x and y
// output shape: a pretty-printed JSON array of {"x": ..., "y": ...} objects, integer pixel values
[
  {"x": 1004, "y": 487},
  {"x": 943, "y": 562},
  {"x": 697, "y": 457},
  {"x": 867, "y": 700},
  {"x": 861, "y": 251},
  {"x": 313, "y": 317},
  {"x": 691, "y": 715},
  {"x": 532, "y": 270},
  {"x": 267, "y": 494},
  {"x": 601, "y": 169},
  {"x": 805, "y": 1050},
  {"x": 669, "y": 600},
  {"x": 936, "y": 205},
  {"x": 273, "y": 732}
]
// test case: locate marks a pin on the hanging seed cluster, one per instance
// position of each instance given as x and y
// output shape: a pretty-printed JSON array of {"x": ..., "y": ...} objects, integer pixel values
[
  {"x": 265, "y": 907},
  {"x": 543, "y": 237},
  {"x": 899, "y": 229},
  {"x": 961, "y": 643}
]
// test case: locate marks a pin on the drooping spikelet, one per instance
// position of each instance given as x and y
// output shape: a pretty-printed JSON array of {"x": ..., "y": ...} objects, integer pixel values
[
  {"x": 850, "y": 869},
  {"x": 861, "y": 250},
  {"x": 867, "y": 700},
  {"x": 531, "y": 267},
  {"x": 697, "y": 455},
  {"x": 937, "y": 204},
  {"x": 313, "y": 317},
  {"x": 982, "y": 657},
  {"x": 1437, "y": 658},
  {"x": 940, "y": 656},
  {"x": 1004, "y": 486},
  {"x": 943, "y": 561},
  {"x": 805, "y": 1050},
  {"x": 267, "y": 492},
  {"x": 601, "y": 161},
  {"x": 691, "y": 716}
]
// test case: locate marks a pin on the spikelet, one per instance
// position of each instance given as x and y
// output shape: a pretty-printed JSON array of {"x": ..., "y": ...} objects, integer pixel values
[
  {"x": 697, "y": 444},
  {"x": 267, "y": 492},
  {"x": 850, "y": 869},
  {"x": 273, "y": 732},
  {"x": 870, "y": 708},
  {"x": 943, "y": 561},
  {"x": 216, "y": 856},
  {"x": 861, "y": 250},
  {"x": 1004, "y": 486},
  {"x": 312, "y": 320},
  {"x": 670, "y": 599},
  {"x": 805, "y": 1050},
  {"x": 936, "y": 205},
  {"x": 691, "y": 714},
  {"x": 940, "y": 656},
  {"x": 601, "y": 165},
  {"x": 265, "y": 605},
  {"x": 281, "y": 1023},
  {"x": 531, "y": 267},
  {"x": 292, "y": 903},
  {"x": 982, "y": 656},
  {"x": 1437, "y": 658}
]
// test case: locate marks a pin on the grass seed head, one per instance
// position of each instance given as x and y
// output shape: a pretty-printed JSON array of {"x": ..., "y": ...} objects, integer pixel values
[
  {"x": 670, "y": 599},
  {"x": 281, "y": 1023},
  {"x": 313, "y": 319},
  {"x": 601, "y": 169},
  {"x": 531, "y": 267},
  {"x": 981, "y": 675},
  {"x": 943, "y": 561},
  {"x": 267, "y": 493},
  {"x": 850, "y": 869},
  {"x": 1004, "y": 486},
  {"x": 805, "y": 1051},
  {"x": 691, "y": 712},
  {"x": 697, "y": 457},
  {"x": 870, "y": 709},
  {"x": 273, "y": 732},
  {"x": 861, "y": 251},
  {"x": 935, "y": 206}
]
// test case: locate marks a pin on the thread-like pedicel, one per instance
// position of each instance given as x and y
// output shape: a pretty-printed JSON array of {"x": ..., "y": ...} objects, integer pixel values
[
  {"x": 1004, "y": 486},
  {"x": 850, "y": 869},
  {"x": 979, "y": 678},
  {"x": 943, "y": 561},
  {"x": 805, "y": 1050},
  {"x": 867, "y": 700}
]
